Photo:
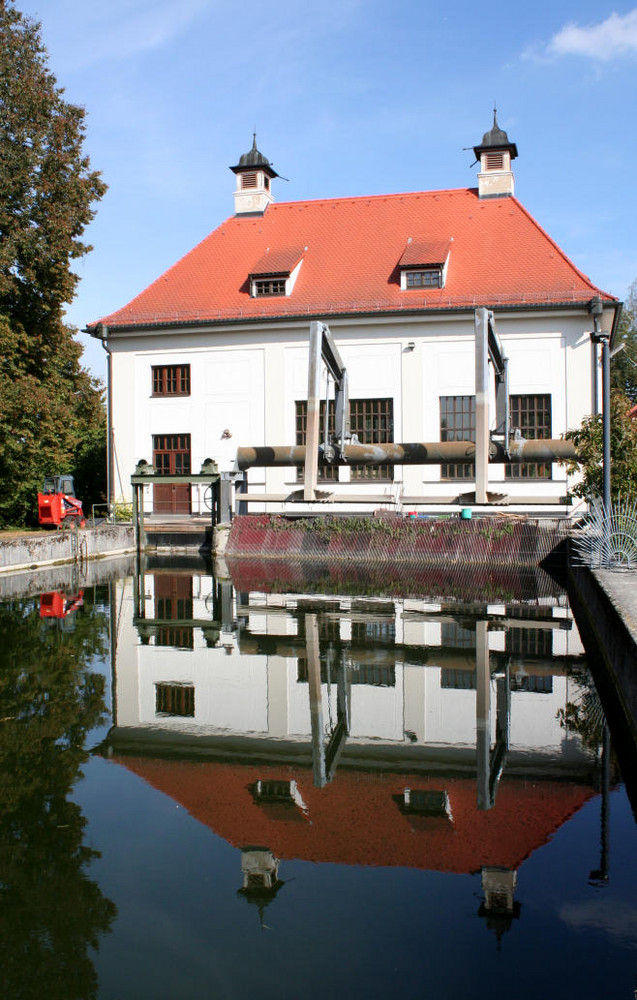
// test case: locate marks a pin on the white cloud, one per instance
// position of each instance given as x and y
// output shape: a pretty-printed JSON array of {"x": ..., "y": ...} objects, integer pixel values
[
  {"x": 616, "y": 36},
  {"x": 613, "y": 917},
  {"x": 80, "y": 34}
]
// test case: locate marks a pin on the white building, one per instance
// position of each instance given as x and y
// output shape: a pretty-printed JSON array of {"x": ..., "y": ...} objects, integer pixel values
[{"x": 214, "y": 354}]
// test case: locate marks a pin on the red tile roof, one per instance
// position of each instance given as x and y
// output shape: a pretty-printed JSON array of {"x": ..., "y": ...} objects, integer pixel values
[
  {"x": 355, "y": 820},
  {"x": 499, "y": 256}
]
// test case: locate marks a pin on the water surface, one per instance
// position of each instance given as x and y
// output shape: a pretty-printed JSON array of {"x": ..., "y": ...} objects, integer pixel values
[{"x": 220, "y": 792}]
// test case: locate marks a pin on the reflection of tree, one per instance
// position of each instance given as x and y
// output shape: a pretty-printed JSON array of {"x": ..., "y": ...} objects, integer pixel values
[
  {"x": 50, "y": 912},
  {"x": 584, "y": 715}
]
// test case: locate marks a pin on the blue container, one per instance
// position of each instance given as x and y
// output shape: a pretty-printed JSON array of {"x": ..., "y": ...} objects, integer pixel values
[{"x": 465, "y": 513}]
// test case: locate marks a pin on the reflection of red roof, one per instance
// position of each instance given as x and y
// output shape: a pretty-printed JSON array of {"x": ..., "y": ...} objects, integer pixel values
[
  {"x": 499, "y": 255},
  {"x": 355, "y": 819}
]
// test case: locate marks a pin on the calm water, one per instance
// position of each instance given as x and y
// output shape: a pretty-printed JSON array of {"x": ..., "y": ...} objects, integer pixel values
[{"x": 213, "y": 792}]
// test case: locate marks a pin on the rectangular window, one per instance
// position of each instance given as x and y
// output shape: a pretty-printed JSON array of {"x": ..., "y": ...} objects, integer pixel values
[
  {"x": 269, "y": 286},
  {"x": 457, "y": 423},
  {"x": 175, "y": 699},
  {"x": 529, "y": 642},
  {"x": 171, "y": 380},
  {"x": 171, "y": 454},
  {"x": 327, "y": 472},
  {"x": 372, "y": 420},
  {"x": 427, "y": 278},
  {"x": 532, "y": 416}
]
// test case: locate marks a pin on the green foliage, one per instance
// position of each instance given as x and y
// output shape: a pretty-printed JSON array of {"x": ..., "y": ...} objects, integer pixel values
[
  {"x": 51, "y": 914},
  {"x": 623, "y": 366},
  {"x": 623, "y": 447},
  {"x": 51, "y": 410}
]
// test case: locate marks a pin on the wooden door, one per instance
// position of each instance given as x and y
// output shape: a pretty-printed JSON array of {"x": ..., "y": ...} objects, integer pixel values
[{"x": 171, "y": 457}]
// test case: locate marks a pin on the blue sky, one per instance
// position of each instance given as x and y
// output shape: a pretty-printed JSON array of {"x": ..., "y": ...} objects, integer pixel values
[{"x": 350, "y": 98}]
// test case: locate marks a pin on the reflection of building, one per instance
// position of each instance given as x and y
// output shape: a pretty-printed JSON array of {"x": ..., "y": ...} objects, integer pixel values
[
  {"x": 407, "y": 680},
  {"x": 349, "y": 730}
]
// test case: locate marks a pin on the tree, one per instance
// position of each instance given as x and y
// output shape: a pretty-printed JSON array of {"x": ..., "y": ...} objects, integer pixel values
[
  {"x": 51, "y": 409},
  {"x": 623, "y": 452},
  {"x": 623, "y": 368}
]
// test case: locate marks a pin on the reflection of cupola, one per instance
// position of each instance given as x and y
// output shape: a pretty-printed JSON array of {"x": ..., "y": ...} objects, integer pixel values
[
  {"x": 495, "y": 153},
  {"x": 254, "y": 174}
]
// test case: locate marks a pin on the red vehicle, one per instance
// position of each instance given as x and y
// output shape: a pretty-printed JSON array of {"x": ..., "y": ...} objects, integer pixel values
[
  {"x": 57, "y": 605},
  {"x": 57, "y": 503}
]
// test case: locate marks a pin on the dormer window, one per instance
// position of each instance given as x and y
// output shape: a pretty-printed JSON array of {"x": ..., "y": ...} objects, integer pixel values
[
  {"x": 424, "y": 264},
  {"x": 269, "y": 286},
  {"x": 430, "y": 277},
  {"x": 276, "y": 272}
]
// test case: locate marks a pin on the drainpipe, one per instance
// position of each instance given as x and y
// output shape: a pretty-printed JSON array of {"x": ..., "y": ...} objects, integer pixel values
[{"x": 600, "y": 336}]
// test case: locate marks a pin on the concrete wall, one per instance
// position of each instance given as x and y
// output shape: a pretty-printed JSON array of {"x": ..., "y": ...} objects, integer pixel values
[{"x": 29, "y": 552}]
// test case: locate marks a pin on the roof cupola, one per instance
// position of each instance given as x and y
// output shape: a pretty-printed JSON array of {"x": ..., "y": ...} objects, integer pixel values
[
  {"x": 495, "y": 153},
  {"x": 254, "y": 173}
]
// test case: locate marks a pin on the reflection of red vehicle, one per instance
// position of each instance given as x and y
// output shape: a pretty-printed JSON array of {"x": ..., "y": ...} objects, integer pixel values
[
  {"x": 58, "y": 605},
  {"x": 57, "y": 503}
]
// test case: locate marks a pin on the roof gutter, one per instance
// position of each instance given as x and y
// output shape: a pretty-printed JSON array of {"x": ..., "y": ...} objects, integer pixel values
[{"x": 499, "y": 307}]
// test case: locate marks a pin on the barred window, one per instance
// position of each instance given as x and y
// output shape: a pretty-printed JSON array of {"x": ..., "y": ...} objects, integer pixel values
[
  {"x": 457, "y": 423},
  {"x": 175, "y": 699},
  {"x": 532, "y": 416},
  {"x": 372, "y": 420},
  {"x": 326, "y": 472},
  {"x": 171, "y": 380},
  {"x": 529, "y": 642}
]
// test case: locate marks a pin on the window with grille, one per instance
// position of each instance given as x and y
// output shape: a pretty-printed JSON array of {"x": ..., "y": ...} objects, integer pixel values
[
  {"x": 529, "y": 641},
  {"x": 535, "y": 683},
  {"x": 175, "y": 699},
  {"x": 532, "y": 416},
  {"x": 171, "y": 380},
  {"x": 269, "y": 286},
  {"x": 457, "y": 423},
  {"x": 372, "y": 420},
  {"x": 458, "y": 680},
  {"x": 454, "y": 636},
  {"x": 430, "y": 277},
  {"x": 326, "y": 472},
  {"x": 171, "y": 454}
]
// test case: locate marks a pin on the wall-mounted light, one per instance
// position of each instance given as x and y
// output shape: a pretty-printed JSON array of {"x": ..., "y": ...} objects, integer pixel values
[{"x": 410, "y": 346}]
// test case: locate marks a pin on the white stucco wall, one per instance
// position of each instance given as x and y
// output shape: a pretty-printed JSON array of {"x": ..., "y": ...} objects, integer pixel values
[{"x": 246, "y": 379}]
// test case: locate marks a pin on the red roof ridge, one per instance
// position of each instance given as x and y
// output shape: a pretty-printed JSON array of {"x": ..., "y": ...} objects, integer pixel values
[{"x": 365, "y": 197}]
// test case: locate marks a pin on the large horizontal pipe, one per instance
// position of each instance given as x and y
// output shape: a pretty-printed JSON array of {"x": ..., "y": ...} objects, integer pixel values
[{"x": 432, "y": 453}]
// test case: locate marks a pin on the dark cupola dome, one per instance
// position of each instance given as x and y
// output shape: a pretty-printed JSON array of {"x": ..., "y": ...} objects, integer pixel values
[
  {"x": 496, "y": 138},
  {"x": 253, "y": 159}
]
